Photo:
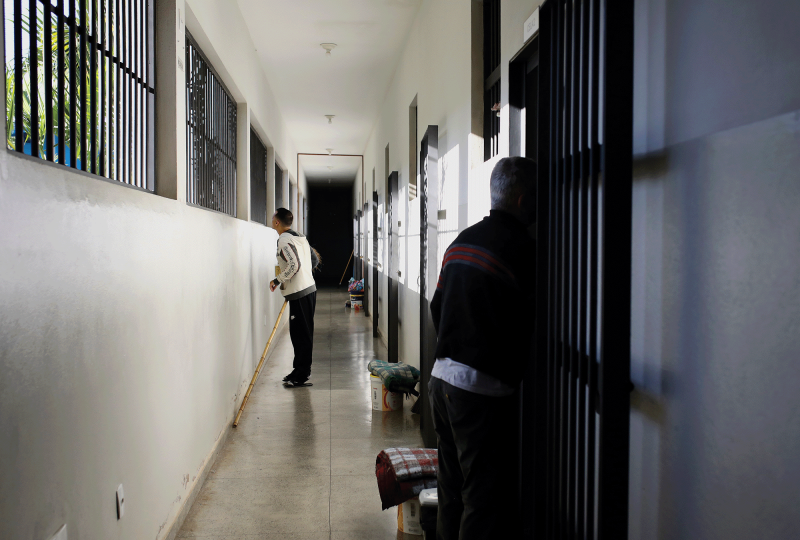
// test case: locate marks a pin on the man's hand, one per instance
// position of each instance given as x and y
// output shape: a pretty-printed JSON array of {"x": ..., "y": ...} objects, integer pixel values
[{"x": 272, "y": 286}]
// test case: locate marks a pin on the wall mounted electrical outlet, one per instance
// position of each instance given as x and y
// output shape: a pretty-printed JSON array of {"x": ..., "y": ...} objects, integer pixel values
[
  {"x": 61, "y": 534},
  {"x": 120, "y": 502}
]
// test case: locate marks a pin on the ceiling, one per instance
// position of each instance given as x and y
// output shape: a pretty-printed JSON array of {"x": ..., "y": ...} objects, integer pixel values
[
  {"x": 351, "y": 83},
  {"x": 344, "y": 169}
]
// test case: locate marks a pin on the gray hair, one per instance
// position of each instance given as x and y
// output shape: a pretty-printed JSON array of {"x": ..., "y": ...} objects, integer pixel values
[{"x": 511, "y": 177}]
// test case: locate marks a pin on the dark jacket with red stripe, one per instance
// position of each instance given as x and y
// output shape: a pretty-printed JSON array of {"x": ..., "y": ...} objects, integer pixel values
[{"x": 483, "y": 308}]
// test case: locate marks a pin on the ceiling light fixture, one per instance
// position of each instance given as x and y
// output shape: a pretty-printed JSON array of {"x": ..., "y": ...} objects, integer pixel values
[
  {"x": 328, "y": 47},
  {"x": 330, "y": 118}
]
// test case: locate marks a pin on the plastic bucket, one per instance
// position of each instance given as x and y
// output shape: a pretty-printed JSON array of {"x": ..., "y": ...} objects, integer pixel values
[
  {"x": 382, "y": 399},
  {"x": 408, "y": 517}
]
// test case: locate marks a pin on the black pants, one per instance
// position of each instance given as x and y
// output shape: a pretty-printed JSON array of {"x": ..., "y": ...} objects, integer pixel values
[
  {"x": 478, "y": 465},
  {"x": 301, "y": 330}
]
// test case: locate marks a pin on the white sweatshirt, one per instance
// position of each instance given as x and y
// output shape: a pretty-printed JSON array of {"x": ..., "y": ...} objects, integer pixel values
[{"x": 294, "y": 259}]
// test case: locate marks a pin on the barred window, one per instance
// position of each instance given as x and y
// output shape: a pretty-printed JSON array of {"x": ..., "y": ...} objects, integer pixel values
[
  {"x": 80, "y": 85},
  {"x": 258, "y": 179},
  {"x": 211, "y": 135},
  {"x": 491, "y": 76}
]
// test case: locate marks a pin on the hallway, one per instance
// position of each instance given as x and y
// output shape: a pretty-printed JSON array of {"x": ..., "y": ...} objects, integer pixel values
[{"x": 301, "y": 463}]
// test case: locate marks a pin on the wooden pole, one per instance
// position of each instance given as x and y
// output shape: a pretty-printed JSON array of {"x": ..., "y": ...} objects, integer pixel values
[
  {"x": 260, "y": 365},
  {"x": 348, "y": 266}
]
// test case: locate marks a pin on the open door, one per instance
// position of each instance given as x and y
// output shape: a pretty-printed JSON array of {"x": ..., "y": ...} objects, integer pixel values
[
  {"x": 428, "y": 272},
  {"x": 391, "y": 270}
]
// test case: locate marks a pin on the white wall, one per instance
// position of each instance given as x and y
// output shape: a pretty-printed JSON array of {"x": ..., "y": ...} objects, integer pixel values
[
  {"x": 436, "y": 67},
  {"x": 130, "y": 325},
  {"x": 715, "y": 318}
]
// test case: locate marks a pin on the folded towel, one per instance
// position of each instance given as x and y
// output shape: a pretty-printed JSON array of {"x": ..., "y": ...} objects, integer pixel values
[
  {"x": 403, "y": 472},
  {"x": 396, "y": 377}
]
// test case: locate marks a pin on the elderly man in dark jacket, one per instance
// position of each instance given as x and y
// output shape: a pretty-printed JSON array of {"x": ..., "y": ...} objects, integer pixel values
[{"x": 483, "y": 312}]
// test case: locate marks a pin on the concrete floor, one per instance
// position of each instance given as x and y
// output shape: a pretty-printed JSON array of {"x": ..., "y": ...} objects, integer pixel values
[{"x": 301, "y": 463}]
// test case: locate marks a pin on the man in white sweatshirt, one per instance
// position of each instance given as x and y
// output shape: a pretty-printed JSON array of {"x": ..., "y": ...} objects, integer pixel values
[{"x": 297, "y": 286}]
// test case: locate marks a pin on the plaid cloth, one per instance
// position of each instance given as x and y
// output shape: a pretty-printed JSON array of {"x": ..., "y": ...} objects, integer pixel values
[
  {"x": 411, "y": 463},
  {"x": 396, "y": 377},
  {"x": 417, "y": 467}
]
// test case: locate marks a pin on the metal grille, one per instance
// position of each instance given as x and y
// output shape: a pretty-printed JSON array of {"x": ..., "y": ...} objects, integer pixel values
[
  {"x": 581, "y": 379},
  {"x": 210, "y": 137},
  {"x": 80, "y": 86},
  {"x": 258, "y": 179},
  {"x": 491, "y": 76}
]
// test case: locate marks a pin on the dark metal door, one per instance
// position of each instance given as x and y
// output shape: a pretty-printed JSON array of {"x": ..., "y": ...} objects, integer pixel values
[
  {"x": 375, "y": 262},
  {"x": 577, "y": 418},
  {"x": 428, "y": 157},
  {"x": 391, "y": 271},
  {"x": 364, "y": 252}
]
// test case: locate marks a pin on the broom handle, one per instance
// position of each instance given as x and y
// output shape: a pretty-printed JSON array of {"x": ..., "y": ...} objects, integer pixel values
[
  {"x": 348, "y": 266},
  {"x": 260, "y": 365}
]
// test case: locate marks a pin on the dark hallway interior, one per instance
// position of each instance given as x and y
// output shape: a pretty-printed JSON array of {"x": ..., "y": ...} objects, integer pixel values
[{"x": 330, "y": 231}]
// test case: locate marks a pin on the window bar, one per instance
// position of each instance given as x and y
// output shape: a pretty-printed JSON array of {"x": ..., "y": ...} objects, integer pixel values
[
  {"x": 131, "y": 131},
  {"x": 73, "y": 86},
  {"x": 60, "y": 83},
  {"x": 93, "y": 88},
  {"x": 142, "y": 94},
  {"x": 582, "y": 323},
  {"x": 553, "y": 334},
  {"x": 102, "y": 133},
  {"x": 118, "y": 87},
  {"x": 33, "y": 88},
  {"x": 137, "y": 49},
  {"x": 83, "y": 112},
  {"x": 569, "y": 389},
  {"x": 560, "y": 278},
  {"x": 593, "y": 280},
  {"x": 47, "y": 53},
  {"x": 19, "y": 134},
  {"x": 548, "y": 28}
]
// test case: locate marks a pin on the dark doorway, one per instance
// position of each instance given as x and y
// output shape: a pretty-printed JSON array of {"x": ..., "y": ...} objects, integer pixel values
[
  {"x": 428, "y": 190},
  {"x": 330, "y": 229},
  {"x": 392, "y": 271}
]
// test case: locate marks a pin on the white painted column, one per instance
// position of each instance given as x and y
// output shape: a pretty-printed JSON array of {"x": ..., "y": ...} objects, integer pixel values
[
  {"x": 243, "y": 162},
  {"x": 171, "y": 99}
]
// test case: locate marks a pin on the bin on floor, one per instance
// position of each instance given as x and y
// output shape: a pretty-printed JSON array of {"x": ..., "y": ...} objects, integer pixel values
[
  {"x": 383, "y": 399},
  {"x": 408, "y": 517},
  {"x": 428, "y": 511}
]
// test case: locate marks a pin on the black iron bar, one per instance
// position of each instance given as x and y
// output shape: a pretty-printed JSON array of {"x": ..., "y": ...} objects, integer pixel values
[
  {"x": 593, "y": 280},
  {"x": 582, "y": 323},
  {"x": 73, "y": 87},
  {"x": 84, "y": 112},
  {"x": 541, "y": 419},
  {"x": 19, "y": 133},
  {"x": 571, "y": 82},
  {"x": 47, "y": 53},
  {"x": 129, "y": 50},
  {"x": 103, "y": 111},
  {"x": 93, "y": 88},
  {"x": 60, "y": 82},
  {"x": 33, "y": 59},
  {"x": 123, "y": 102},
  {"x": 559, "y": 261},
  {"x": 616, "y": 264},
  {"x": 117, "y": 113}
]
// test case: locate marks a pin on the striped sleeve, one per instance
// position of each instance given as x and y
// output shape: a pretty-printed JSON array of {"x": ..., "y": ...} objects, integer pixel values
[
  {"x": 289, "y": 254},
  {"x": 478, "y": 258}
]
